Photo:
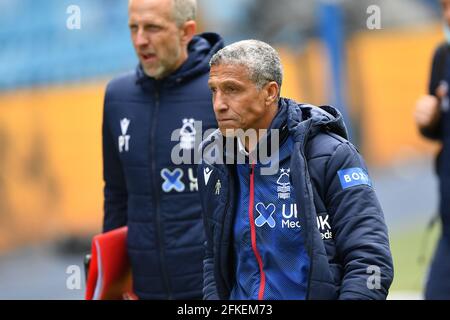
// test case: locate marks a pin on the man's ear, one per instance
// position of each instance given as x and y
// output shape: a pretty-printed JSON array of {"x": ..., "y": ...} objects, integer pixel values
[
  {"x": 188, "y": 30},
  {"x": 272, "y": 92}
]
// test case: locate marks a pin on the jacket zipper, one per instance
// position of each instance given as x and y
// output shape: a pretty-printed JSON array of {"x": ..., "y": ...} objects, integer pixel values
[
  {"x": 160, "y": 238},
  {"x": 262, "y": 282}
]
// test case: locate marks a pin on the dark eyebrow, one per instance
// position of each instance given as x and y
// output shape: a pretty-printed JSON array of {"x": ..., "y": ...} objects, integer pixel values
[
  {"x": 151, "y": 24},
  {"x": 146, "y": 25},
  {"x": 232, "y": 82},
  {"x": 227, "y": 82}
]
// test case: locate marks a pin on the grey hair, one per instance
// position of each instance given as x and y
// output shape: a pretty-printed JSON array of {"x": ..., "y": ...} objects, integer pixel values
[
  {"x": 184, "y": 10},
  {"x": 261, "y": 60}
]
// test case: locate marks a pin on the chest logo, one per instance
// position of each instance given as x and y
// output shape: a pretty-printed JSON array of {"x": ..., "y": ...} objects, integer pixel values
[
  {"x": 124, "y": 139},
  {"x": 206, "y": 174},
  {"x": 187, "y": 134},
  {"x": 172, "y": 180},
  {"x": 265, "y": 215},
  {"x": 284, "y": 185},
  {"x": 217, "y": 187}
]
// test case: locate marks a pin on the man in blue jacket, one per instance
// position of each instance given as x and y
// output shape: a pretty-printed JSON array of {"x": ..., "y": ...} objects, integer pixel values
[
  {"x": 433, "y": 120},
  {"x": 289, "y": 212},
  {"x": 144, "y": 189}
]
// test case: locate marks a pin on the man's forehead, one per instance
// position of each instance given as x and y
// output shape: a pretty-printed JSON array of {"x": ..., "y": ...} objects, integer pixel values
[
  {"x": 150, "y": 9},
  {"x": 234, "y": 72},
  {"x": 149, "y": 3}
]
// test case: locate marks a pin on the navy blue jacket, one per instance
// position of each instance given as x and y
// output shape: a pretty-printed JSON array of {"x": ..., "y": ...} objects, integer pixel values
[
  {"x": 345, "y": 262},
  {"x": 144, "y": 189},
  {"x": 441, "y": 71},
  {"x": 440, "y": 266}
]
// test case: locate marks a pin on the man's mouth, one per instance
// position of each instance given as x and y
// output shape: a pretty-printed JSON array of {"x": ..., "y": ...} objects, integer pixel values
[
  {"x": 148, "y": 57},
  {"x": 224, "y": 119}
]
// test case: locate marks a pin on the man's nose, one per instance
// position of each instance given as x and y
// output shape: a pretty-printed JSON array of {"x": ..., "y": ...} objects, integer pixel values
[
  {"x": 219, "y": 102},
  {"x": 141, "y": 39}
]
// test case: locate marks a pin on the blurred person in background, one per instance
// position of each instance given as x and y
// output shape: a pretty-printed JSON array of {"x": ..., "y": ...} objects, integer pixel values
[
  {"x": 144, "y": 190},
  {"x": 433, "y": 120},
  {"x": 314, "y": 228}
]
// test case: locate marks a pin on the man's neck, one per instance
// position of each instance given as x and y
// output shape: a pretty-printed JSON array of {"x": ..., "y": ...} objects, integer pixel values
[{"x": 183, "y": 58}]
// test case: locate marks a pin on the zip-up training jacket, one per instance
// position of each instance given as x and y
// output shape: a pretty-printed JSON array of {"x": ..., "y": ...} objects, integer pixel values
[
  {"x": 435, "y": 288},
  {"x": 144, "y": 189},
  {"x": 339, "y": 223}
]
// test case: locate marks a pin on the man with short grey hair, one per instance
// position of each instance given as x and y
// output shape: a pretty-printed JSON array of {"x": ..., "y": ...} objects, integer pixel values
[
  {"x": 261, "y": 59},
  {"x": 184, "y": 10},
  {"x": 144, "y": 189},
  {"x": 312, "y": 230}
]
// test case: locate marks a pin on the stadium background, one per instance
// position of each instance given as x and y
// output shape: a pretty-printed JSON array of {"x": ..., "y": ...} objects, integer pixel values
[{"x": 52, "y": 82}]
